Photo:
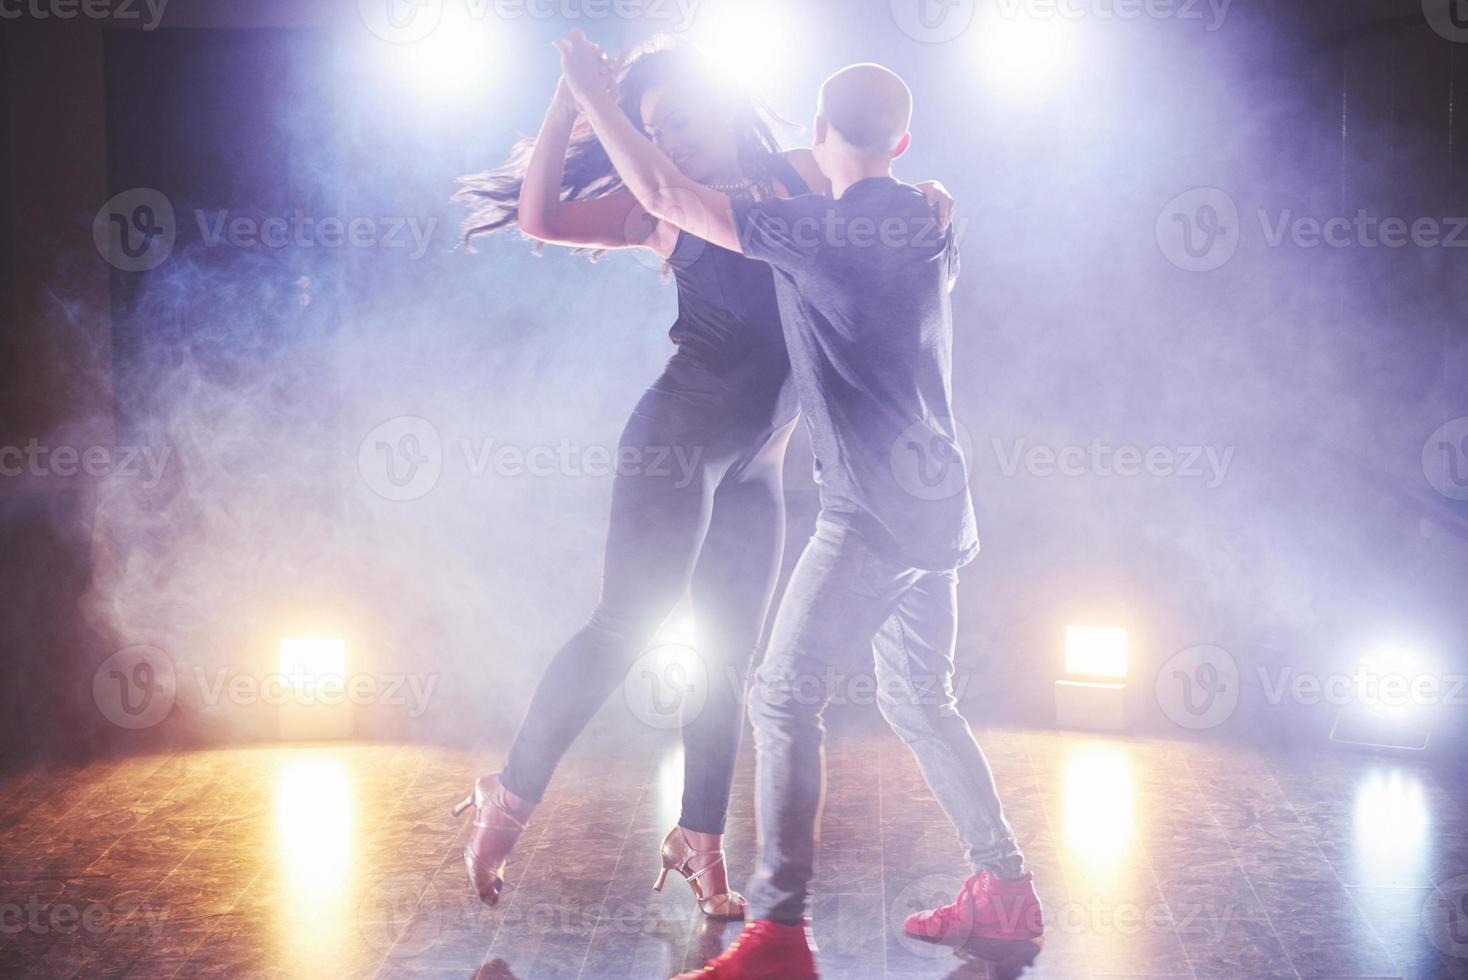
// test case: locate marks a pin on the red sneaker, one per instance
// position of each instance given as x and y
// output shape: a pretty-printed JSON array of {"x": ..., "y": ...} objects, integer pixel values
[
  {"x": 986, "y": 907},
  {"x": 765, "y": 950}
]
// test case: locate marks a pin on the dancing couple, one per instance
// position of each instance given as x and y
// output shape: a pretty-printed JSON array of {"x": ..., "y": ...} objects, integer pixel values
[{"x": 809, "y": 276}]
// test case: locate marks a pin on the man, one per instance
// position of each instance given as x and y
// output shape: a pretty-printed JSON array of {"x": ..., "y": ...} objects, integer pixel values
[{"x": 863, "y": 282}]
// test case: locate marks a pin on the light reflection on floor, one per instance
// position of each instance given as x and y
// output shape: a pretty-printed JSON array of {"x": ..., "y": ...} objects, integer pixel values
[
  {"x": 315, "y": 824},
  {"x": 668, "y": 785},
  {"x": 1392, "y": 821},
  {"x": 1099, "y": 805},
  {"x": 1153, "y": 857}
]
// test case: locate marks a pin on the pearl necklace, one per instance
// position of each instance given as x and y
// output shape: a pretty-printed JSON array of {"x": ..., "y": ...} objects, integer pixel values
[
  {"x": 737, "y": 187},
  {"x": 728, "y": 186}
]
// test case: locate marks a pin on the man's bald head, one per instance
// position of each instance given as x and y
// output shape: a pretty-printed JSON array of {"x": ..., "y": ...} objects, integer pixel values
[{"x": 870, "y": 106}]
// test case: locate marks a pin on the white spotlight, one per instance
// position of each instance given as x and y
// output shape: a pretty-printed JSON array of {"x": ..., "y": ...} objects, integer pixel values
[
  {"x": 1096, "y": 651},
  {"x": 752, "y": 42},
  {"x": 1094, "y": 692},
  {"x": 1393, "y": 694},
  {"x": 309, "y": 663},
  {"x": 313, "y": 674},
  {"x": 1025, "y": 52},
  {"x": 456, "y": 57}
]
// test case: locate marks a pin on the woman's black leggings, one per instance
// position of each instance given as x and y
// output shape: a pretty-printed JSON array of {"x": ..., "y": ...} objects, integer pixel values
[{"x": 697, "y": 507}]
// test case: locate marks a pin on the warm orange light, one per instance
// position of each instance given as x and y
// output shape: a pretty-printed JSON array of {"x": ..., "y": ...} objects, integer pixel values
[
  {"x": 313, "y": 889},
  {"x": 312, "y": 662},
  {"x": 1096, "y": 651}
]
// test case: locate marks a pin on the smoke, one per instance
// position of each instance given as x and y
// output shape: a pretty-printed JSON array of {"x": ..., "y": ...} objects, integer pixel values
[
  {"x": 275, "y": 514},
  {"x": 351, "y": 430},
  {"x": 275, "y": 362},
  {"x": 1087, "y": 322}
]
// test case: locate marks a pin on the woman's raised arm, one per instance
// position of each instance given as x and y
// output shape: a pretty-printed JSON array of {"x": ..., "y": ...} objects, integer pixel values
[{"x": 614, "y": 220}]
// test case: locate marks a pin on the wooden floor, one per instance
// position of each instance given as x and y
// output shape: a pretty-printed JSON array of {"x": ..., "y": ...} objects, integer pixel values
[{"x": 1154, "y": 858}]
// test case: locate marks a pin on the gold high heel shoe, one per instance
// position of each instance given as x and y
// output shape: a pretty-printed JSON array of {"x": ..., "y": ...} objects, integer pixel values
[
  {"x": 495, "y": 832},
  {"x": 677, "y": 853}
]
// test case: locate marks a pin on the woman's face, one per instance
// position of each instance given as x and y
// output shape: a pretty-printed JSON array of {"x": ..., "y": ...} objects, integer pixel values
[{"x": 697, "y": 139}]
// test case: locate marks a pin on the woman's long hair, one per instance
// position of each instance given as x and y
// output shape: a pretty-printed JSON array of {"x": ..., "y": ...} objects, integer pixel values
[{"x": 493, "y": 196}]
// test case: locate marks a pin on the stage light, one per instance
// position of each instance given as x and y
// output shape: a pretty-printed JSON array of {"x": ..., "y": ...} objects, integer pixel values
[
  {"x": 313, "y": 673},
  {"x": 1393, "y": 692},
  {"x": 1024, "y": 52},
  {"x": 457, "y": 57},
  {"x": 1096, "y": 651},
  {"x": 310, "y": 662},
  {"x": 1094, "y": 695},
  {"x": 752, "y": 42}
]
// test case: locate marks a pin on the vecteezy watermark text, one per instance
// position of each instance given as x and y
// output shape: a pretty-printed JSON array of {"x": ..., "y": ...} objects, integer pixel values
[
  {"x": 36, "y": 459},
  {"x": 669, "y": 685},
  {"x": 41, "y": 917},
  {"x": 411, "y": 21},
  {"x": 1365, "y": 686},
  {"x": 939, "y": 21},
  {"x": 1211, "y": 12},
  {"x": 136, "y": 230},
  {"x": 403, "y": 458},
  {"x": 137, "y": 687},
  {"x": 1101, "y": 459},
  {"x": 150, "y": 12},
  {"x": 1202, "y": 686},
  {"x": 1362, "y": 230},
  {"x": 831, "y": 230},
  {"x": 300, "y": 230},
  {"x": 1201, "y": 230}
]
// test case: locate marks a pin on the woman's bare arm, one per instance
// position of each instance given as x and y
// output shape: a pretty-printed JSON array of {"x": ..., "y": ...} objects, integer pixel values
[{"x": 615, "y": 220}]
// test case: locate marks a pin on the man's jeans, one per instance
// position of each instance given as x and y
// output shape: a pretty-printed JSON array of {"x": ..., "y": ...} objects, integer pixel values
[{"x": 845, "y": 603}]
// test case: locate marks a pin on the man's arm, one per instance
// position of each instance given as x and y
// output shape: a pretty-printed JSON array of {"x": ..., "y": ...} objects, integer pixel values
[{"x": 657, "y": 183}]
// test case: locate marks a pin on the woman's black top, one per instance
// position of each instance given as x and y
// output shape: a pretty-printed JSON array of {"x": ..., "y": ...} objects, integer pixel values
[{"x": 728, "y": 328}]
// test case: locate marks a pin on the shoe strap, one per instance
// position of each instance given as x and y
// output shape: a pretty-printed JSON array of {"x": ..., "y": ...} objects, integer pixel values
[
  {"x": 722, "y": 898},
  {"x": 503, "y": 810},
  {"x": 695, "y": 852},
  {"x": 711, "y": 865}
]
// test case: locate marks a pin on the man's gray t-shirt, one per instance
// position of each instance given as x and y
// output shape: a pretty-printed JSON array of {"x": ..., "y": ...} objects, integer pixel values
[{"x": 863, "y": 287}]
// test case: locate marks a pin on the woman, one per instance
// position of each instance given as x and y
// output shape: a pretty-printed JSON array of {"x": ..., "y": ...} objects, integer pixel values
[{"x": 724, "y": 400}]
